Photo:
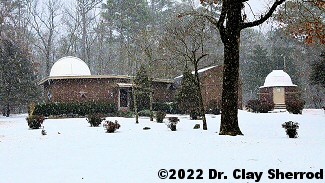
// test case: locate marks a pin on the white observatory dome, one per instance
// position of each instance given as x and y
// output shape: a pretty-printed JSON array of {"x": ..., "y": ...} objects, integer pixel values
[
  {"x": 277, "y": 78},
  {"x": 70, "y": 66}
]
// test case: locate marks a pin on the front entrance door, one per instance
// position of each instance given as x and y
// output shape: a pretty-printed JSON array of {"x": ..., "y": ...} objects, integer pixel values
[
  {"x": 124, "y": 98},
  {"x": 278, "y": 95}
]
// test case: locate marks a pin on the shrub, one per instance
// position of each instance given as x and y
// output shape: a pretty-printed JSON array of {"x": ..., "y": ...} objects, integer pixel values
[
  {"x": 253, "y": 105},
  {"x": 80, "y": 109},
  {"x": 95, "y": 119},
  {"x": 35, "y": 121},
  {"x": 291, "y": 128},
  {"x": 295, "y": 106},
  {"x": 125, "y": 114},
  {"x": 213, "y": 107},
  {"x": 158, "y": 106},
  {"x": 260, "y": 106},
  {"x": 145, "y": 113},
  {"x": 160, "y": 115},
  {"x": 194, "y": 115},
  {"x": 111, "y": 127},
  {"x": 265, "y": 106}
]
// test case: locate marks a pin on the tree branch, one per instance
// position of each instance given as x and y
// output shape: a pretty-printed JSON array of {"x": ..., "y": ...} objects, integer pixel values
[{"x": 263, "y": 18}]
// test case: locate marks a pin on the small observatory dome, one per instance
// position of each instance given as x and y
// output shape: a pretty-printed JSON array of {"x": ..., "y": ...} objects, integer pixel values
[
  {"x": 277, "y": 78},
  {"x": 70, "y": 66}
]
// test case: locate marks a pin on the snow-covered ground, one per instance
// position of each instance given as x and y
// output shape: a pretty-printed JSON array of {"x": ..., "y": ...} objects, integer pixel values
[{"x": 73, "y": 152}]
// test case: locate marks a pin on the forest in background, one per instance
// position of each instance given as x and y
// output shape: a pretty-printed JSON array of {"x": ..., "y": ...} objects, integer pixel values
[{"x": 117, "y": 37}]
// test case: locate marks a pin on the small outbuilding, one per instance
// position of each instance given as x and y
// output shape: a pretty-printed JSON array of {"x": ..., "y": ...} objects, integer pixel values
[{"x": 279, "y": 89}]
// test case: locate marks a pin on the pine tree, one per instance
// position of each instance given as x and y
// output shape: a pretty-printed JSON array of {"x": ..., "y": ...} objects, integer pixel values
[
  {"x": 317, "y": 76},
  {"x": 188, "y": 98},
  {"x": 143, "y": 87}
]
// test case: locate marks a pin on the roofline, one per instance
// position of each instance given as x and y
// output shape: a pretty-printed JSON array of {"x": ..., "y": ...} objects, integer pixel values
[
  {"x": 200, "y": 70},
  {"x": 277, "y": 86},
  {"x": 98, "y": 77}
]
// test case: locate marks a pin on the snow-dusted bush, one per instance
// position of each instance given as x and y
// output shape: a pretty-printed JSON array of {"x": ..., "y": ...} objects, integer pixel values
[
  {"x": 172, "y": 123},
  {"x": 110, "y": 126},
  {"x": 295, "y": 106},
  {"x": 35, "y": 121},
  {"x": 95, "y": 119},
  {"x": 291, "y": 128},
  {"x": 160, "y": 115}
]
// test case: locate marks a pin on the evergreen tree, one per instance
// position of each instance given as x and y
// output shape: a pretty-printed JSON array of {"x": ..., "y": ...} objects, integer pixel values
[
  {"x": 188, "y": 97},
  {"x": 259, "y": 66},
  {"x": 18, "y": 83},
  {"x": 143, "y": 87},
  {"x": 317, "y": 76}
]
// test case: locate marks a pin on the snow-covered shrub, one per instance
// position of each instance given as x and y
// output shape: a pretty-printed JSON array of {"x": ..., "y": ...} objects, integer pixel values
[
  {"x": 295, "y": 106},
  {"x": 95, "y": 119},
  {"x": 160, "y": 115},
  {"x": 291, "y": 128},
  {"x": 110, "y": 126},
  {"x": 213, "y": 107},
  {"x": 35, "y": 121},
  {"x": 172, "y": 123}
]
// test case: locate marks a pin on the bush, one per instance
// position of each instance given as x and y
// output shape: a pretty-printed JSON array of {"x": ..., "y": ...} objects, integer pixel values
[
  {"x": 291, "y": 128},
  {"x": 260, "y": 106},
  {"x": 265, "y": 107},
  {"x": 253, "y": 105},
  {"x": 213, "y": 107},
  {"x": 145, "y": 113},
  {"x": 125, "y": 114},
  {"x": 95, "y": 119},
  {"x": 35, "y": 121},
  {"x": 79, "y": 109},
  {"x": 295, "y": 106},
  {"x": 160, "y": 115},
  {"x": 195, "y": 115},
  {"x": 111, "y": 127}
]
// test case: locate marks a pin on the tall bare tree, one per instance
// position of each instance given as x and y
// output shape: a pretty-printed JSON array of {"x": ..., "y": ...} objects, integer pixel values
[
  {"x": 44, "y": 24},
  {"x": 187, "y": 39}
]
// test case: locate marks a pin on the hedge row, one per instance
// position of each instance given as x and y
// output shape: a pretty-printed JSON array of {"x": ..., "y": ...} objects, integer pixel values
[{"x": 80, "y": 109}]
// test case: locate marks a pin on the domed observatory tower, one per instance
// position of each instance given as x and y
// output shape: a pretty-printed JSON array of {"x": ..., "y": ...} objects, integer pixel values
[
  {"x": 70, "y": 66},
  {"x": 278, "y": 88}
]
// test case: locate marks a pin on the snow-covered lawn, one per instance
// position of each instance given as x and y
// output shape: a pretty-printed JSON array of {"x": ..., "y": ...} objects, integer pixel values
[{"x": 73, "y": 152}]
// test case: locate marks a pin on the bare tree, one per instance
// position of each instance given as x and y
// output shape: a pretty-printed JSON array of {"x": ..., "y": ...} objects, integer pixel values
[
  {"x": 188, "y": 40},
  {"x": 44, "y": 24},
  {"x": 84, "y": 8}
]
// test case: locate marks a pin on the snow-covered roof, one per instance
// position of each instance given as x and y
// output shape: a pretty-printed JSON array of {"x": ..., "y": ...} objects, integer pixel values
[
  {"x": 277, "y": 78},
  {"x": 70, "y": 66},
  {"x": 199, "y": 71}
]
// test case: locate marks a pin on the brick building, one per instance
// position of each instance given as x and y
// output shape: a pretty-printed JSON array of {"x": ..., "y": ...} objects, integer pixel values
[
  {"x": 211, "y": 85},
  {"x": 278, "y": 88},
  {"x": 70, "y": 81}
]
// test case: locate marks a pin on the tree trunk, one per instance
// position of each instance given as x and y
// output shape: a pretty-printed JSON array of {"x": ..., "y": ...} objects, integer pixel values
[
  {"x": 229, "y": 117},
  {"x": 202, "y": 110}
]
